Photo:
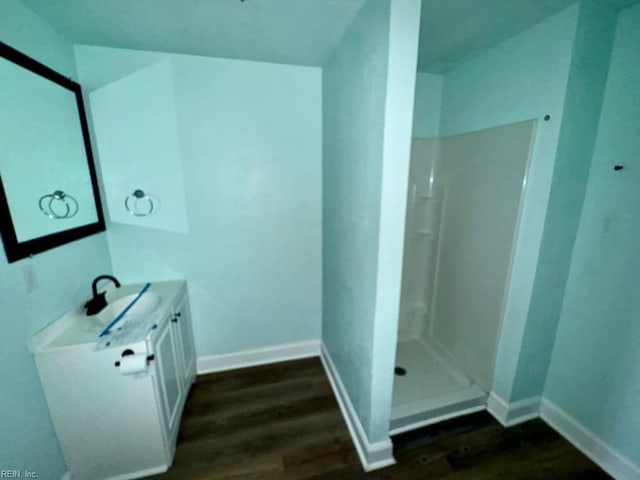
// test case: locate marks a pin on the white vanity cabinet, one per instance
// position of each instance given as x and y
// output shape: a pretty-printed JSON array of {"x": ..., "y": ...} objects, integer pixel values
[
  {"x": 112, "y": 422},
  {"x": 187, "y": 350},
  {"x": 175, "y": 364}
]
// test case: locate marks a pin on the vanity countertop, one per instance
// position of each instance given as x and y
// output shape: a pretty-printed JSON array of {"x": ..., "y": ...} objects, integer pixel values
[{"x": 76, "y": 328}]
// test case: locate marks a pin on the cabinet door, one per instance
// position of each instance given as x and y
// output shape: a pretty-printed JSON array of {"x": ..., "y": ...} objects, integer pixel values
[
  {"x": 187, "y": 351},
  {"x": 170, "y": 379}
]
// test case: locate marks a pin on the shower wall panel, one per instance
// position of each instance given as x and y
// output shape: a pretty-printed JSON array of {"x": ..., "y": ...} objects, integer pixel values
[
  {"x": 482, "y": 177},
  {"x": 420, "y": 240}
]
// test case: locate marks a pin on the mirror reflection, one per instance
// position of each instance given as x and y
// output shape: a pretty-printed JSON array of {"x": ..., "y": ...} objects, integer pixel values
[{"x": 45, "y": 160}]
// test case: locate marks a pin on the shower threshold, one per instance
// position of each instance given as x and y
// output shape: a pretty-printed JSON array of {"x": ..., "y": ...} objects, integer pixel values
[{"x": 431, "y": 390}]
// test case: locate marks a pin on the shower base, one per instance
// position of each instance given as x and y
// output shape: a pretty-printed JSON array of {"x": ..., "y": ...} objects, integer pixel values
[{"x": 431, "y": 389}]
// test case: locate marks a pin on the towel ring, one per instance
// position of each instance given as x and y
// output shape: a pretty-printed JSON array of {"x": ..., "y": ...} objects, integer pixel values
[
  {"x": 57, "y": 201},
  {"x": 132, "y": 204}
]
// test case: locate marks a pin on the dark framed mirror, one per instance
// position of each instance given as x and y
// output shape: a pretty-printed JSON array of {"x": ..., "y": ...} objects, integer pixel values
[{"x": 48, "y": 186}]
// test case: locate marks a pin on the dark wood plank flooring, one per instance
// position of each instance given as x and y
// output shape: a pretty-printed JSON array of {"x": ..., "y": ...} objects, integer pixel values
[{"x": 282, "y": 422}]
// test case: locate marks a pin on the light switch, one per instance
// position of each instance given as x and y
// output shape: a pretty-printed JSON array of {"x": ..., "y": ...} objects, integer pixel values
[{"x": 29, "y": 279}]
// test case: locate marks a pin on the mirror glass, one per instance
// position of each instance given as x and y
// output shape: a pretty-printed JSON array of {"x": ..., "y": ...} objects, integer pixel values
[{"x": 49, "y": 188}]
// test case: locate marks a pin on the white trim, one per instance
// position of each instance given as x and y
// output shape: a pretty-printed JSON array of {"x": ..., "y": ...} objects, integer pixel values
[
  {"x": 497, "y": 407},
  {"x": 140, "y": 473},
  {"x": 260, "y": 356},
  {"x": 440, "y": 418},
  {"x": 372, "y": 455},
  {"x": 125, "y": 476},
  {"x": 510, "y": 414},
  {"x": 610, "y": 460}
]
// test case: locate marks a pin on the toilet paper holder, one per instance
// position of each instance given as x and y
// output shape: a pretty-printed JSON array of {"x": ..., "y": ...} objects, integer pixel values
[{"x": 128, "y": 352}]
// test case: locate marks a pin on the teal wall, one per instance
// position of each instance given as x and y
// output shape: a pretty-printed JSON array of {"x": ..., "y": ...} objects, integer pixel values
[
  {"x": 428, "y": 104},
  {"x": 25, "y": 31},
  {"x": 368, "y": 100},
  {"x": 594, "y": 373},
  {"x": 27, "y": 438},
  {"x": 354, "y": 82},
  {"x": 150, "y": 156},
  {"x": 585, "y": 89},
  {"x": 250, "y": 140},
  {"x": 404, "y": 32},
  {"x": 520, "y": 79}
]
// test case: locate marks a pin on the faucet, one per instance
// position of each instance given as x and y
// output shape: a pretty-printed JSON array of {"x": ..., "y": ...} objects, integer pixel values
[{"x": 99, "y": 301}]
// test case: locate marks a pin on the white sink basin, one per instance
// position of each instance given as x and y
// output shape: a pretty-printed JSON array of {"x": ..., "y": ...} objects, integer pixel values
[
  {"x": 77, "y": 328},
  {"x": 146, "y": 304}
]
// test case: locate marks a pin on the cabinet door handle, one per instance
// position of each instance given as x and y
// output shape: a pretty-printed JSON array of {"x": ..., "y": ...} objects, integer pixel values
[
  {"x": 174, "y": 319},
  {"x": 178, "y": 314}
]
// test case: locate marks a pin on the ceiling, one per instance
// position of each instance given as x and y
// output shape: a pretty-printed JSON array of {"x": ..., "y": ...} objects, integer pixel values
[
  {"x": 454, "y": 31},
  {"x": 299, "y": 32}
]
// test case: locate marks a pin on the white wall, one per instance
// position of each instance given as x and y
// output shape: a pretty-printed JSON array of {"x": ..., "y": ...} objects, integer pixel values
[{"x": 250, "y": 139}]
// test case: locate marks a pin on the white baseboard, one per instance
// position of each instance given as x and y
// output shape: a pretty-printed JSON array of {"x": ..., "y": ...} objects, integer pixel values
[
  {"x": 610, "y": 460},
  {"x": 372, "y": 455},
  {"x": 260, "y": 356},
  {"x": 140, "y": 473},
  {"x": 510, "y": 414}
]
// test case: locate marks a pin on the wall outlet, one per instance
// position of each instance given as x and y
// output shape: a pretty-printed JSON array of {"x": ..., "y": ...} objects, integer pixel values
[{"x": 29, "y": 279}]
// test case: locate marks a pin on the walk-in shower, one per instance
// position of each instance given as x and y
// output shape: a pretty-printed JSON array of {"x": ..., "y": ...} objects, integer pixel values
[{"x": 463, "y": 208}]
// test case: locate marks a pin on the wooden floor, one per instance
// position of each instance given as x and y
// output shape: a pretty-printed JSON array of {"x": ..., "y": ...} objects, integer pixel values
[{"x": 282, "y": 422}]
